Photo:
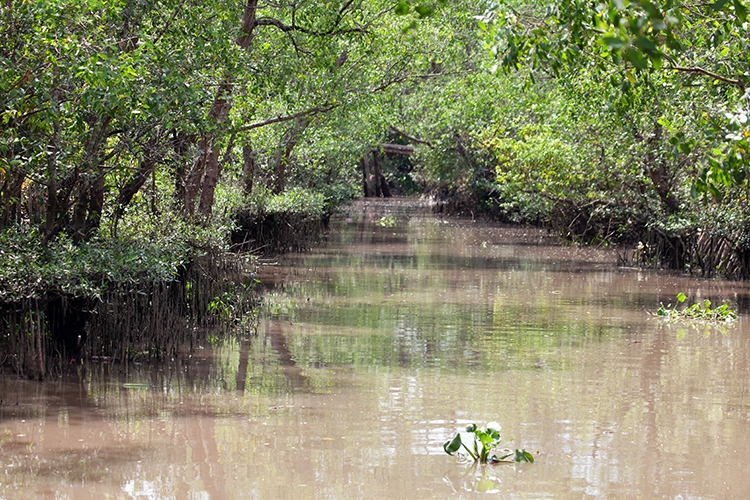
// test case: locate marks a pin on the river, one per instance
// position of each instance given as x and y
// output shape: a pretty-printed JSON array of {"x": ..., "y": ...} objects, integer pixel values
[{"x": 375, "y": 348}]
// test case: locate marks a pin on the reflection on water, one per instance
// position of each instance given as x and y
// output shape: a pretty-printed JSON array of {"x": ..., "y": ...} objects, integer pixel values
[{"x": 378, "y": 347}]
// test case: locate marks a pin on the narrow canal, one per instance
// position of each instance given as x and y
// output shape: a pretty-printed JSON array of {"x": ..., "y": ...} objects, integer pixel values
[{"x": 375, "y": 348}]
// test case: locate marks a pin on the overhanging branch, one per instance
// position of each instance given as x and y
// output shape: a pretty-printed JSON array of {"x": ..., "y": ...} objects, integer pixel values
[
  {"x": 279, "y": 119},
  {"x": 411, "y": 137},
  {"x": 694, "y": 69}
]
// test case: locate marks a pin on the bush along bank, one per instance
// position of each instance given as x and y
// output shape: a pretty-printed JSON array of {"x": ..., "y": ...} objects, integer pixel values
[
  {"x": 115, "y": 299},
  {"x": 539, "y": 180},
  {"x": 291, "y": 221}
]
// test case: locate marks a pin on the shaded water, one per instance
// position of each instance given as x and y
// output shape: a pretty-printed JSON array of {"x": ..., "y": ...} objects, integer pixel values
[{"x": 376, "y": 348}]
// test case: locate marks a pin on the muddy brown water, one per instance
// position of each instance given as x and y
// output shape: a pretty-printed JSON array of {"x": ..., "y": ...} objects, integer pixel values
[{"x": 376, "y": 348}]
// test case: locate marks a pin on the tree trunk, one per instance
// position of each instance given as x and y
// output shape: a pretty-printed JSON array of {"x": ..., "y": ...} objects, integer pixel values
[
  {"x": 78, "y": 226},
  {"x": 96, "y": 205},
  {"x": 194, "y": 178},
  {"x": 52, "y": 209},
  {"x": 658, "y": 171},
  {"x": 90, "y": 200},
  {"x": 366, "y": 175},
  {"x": 181, "y": 143},
  {"x": 379, "y": 177},
  {"x": 206, "y": 169},
  {"x": 210, "y": 180},
  {"x": 11, "y": 196},
  {"x": 205, "y": 172},
  {"x": 139, "y": 177}
]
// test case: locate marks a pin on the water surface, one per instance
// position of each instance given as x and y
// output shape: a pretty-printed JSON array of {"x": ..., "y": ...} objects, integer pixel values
[{"x": 377, "y": 347}]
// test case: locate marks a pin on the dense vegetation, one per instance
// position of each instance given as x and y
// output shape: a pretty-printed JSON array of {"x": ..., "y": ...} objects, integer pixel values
[
  {"x": 613, "y": 122},
  {"x": 140, "y": 138}
]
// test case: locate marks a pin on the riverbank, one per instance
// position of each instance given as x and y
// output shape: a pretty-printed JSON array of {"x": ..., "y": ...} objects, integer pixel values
[
  {"x": 710, "y": 241},
  {"x": 139, "y": 316}
]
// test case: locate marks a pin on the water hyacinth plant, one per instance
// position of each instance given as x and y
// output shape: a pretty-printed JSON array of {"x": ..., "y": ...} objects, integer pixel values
[
  {"x": 484, "y": 443},
  {"x": 697, "y": 312}
]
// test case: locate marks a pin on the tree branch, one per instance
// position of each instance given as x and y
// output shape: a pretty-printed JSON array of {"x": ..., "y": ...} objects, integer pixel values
[
  {"x": 279, "y": 119},
  {"x": 410, "y": 137},
  {"x": 737, "y": 83},
  {"x": 286, "y": 28}
]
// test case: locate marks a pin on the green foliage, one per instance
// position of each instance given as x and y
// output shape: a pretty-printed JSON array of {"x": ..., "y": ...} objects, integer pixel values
[
  {"x": 30, "y": 270},
  {"x": 420, "y": 9},
  {"x": 483, "y": 442},
  {"x": 697, "y": 311},
  {"x": 665, "y": 49},
  {"x": 296, "y": 201},
  {"x": 387, "y": 221},
  {"x": 234, "y": 304}
]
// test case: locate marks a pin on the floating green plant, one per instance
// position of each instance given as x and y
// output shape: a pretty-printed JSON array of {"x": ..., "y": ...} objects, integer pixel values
[
  {"x": 484, "y": 442},
  {"x": 387, "y": 221},
  {"x": 699, "y": 311}
]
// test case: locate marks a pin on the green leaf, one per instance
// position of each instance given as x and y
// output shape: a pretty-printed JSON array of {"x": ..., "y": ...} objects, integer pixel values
[
  {"x": 423, "y": 10},
  {"x": 645, "y": 44},
  {"x": 402, "y": 8},
  {"x": 694, "y": 191},
  {"x": 614, "y": 43},
  {"x": 485, "y": 485},
  {"x": 412, "y": 25},
  {"x": 453, "y": 445},
  {"x": 485, "y": 438},
  {"x": 681, "y": 297},
  {"x": 637, "y": 59},
  {"x": 718, "y": 5},
  {"x": 740, "y": 11},
  {"x": 714, "y": 192},
  {"x": 523, "y": 456}
]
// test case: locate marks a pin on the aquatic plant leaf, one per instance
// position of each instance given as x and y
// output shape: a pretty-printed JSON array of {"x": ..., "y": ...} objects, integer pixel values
[
  {"x": 452, "y": 445},
  {"x": 485, "y": 438},
  {"x": 523, "y": 456}
]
